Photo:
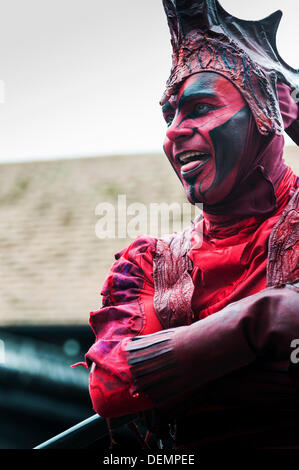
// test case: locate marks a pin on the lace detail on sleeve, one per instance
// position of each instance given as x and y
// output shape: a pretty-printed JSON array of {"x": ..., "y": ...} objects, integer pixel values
[
  {"x": 172, "y": 280},
  {"x": 283, "y": 260}
]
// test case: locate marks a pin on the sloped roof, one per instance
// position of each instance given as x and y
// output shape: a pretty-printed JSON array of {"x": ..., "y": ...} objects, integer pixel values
[{"x": 52, "y": 265}]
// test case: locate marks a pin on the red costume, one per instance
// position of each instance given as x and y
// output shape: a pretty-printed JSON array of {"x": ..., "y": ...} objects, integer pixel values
[{"x": 202, "y": 332}]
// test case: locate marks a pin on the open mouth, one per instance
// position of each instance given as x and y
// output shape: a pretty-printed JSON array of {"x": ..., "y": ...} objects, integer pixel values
[
  {"x": 192, "y": 161},
  {"x": 193, "y": 156}
]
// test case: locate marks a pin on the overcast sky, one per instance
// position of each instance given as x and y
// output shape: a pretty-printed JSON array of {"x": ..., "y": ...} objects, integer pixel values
[{"x": 84, "y": 77}]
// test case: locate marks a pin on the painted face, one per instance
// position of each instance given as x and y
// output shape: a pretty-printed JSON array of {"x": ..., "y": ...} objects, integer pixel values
[{"x": 208, "y": 125}]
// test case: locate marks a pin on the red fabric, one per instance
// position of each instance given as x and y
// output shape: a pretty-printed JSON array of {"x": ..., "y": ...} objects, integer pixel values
[
  {"x": 127, "y": 311},
  {"x": 232, "y": 262}
]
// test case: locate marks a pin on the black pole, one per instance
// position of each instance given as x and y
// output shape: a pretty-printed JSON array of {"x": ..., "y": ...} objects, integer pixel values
[{"x": 84, "y": 433}]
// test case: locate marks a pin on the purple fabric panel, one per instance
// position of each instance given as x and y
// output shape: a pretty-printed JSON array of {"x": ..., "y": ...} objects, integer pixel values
[
  {"x": 288, "y": 108},
  {"x": 122, "y": 314},
  {"x": 123, "y": 283},
  {"x": 126, "y": 278}
]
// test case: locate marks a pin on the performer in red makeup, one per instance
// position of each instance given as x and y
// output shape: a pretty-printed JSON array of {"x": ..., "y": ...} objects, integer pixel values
[{"x": 201, "y": 334}]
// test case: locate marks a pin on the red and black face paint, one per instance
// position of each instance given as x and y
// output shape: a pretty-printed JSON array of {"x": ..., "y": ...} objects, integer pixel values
[{"x": 207, "y": 138}]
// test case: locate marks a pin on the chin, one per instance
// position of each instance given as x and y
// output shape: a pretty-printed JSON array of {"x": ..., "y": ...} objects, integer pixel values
[
  {"x": 195, "y": 201},
  {"x": 192, "y": 198},
  {"x": 210, "y": 199}
]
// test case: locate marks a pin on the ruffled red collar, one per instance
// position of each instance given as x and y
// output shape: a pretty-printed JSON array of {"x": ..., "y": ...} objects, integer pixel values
[{"x": 222, "y": 226}]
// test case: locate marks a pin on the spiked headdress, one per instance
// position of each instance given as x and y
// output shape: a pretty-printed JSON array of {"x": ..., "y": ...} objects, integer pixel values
[{"x": 205, "y": 37}]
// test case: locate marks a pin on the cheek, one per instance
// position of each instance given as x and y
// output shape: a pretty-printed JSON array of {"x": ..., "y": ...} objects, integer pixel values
[
  {"x": 226, "y": 135},
  {"x": 167, "y": 147},
  {"x": 229, "y": 152},
  {"x": 216, "y": 118},
  {"x": 229, "y": 144},
  {"x": 229, "y": 140}
]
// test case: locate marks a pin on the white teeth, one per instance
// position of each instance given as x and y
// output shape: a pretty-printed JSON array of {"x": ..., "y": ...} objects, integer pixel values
[{"x": 184, "y": 158}]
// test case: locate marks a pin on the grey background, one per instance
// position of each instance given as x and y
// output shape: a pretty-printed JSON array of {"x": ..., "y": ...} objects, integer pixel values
[{"x": 84, "y": 78}]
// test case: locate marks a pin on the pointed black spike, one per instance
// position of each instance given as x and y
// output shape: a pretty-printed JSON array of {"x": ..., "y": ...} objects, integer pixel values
[
  {"x": 172, "y": 20},
  {"x": 271, "y": 22},
  {"x": 227, "y": 41},
  {"x": 195, "y": 14},
  {"x": 267, "y": 25},
  {"x": 261, "y": 32},
  {"x": 270, "y": 26}
]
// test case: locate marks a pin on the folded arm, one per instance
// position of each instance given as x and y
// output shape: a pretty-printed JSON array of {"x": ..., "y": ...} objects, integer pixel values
[
  {"x": 127, "y": 311},
  {"x": 169, "y": 364}
]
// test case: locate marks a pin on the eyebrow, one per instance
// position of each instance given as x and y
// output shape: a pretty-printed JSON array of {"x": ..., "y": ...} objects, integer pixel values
[
  {"x": 190, "y": 95},
  {"x": 167, "y": 107}
]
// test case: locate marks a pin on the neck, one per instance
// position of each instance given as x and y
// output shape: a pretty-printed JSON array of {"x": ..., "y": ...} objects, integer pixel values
[
  {"x": 255, "y": 194},
  {"x": 283, "y": 193}
]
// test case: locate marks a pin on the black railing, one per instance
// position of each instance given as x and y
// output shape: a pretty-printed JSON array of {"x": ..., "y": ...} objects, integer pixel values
[{"x": 85, "y": 433}]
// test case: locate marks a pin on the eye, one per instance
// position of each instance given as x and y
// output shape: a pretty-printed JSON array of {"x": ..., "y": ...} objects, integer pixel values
[
  {"x": 203, "y": 108},
  {"x": 169, "y": 118}
]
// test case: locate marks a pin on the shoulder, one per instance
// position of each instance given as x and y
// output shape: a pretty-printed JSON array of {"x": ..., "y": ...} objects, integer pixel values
[
  {"x": 133, "y": 267},
  {"x": 124, "y": 311},
  {"x": 141, "y": 244}
]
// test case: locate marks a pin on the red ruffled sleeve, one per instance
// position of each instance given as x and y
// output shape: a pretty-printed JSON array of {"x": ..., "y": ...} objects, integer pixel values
[{"x": 127, "y": 311}]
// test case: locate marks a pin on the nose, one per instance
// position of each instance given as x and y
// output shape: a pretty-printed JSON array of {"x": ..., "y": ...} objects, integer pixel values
[{"x": 174, "y": 132}]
